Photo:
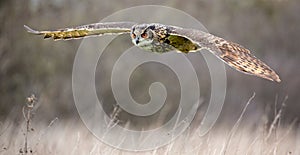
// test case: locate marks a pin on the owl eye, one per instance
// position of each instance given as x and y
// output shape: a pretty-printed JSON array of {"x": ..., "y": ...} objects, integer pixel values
[
  {"x": 133, "y": 35},
  {"x": 144, "y": 35}
]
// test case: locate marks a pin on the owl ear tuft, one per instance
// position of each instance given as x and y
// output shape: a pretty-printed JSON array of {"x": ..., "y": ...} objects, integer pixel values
[
  {"x": 133, "y": 28},
  {"x": 152, "y": 27}
]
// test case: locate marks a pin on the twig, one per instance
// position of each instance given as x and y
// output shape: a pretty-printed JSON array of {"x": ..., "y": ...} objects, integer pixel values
[
  {"x": 94, "y": 149},
  {"x": 114, "y": 116},
  {"x": 27, "y": 113},
  {"x": 252, "y": 144},
  {"x": 236, "y": 125},
  {"x": 77, "y": 143},
  {"x": 273, "y": 125},
  {"x": 154, "y": 152},
  {"x": 275, "y": 114},
  {"x": 43, "y": 133},
  {"x": 284, "y": 136}
]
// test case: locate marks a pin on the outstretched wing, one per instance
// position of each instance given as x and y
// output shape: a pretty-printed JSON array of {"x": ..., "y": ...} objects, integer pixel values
[
  {"x": 85, "y": 30},
  {"x": 231, "y": 53}
]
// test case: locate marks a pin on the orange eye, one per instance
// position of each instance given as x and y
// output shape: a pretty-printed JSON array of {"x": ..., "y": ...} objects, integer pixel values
[
  {"x": 144, "y": 35},
  {"x": 133, "y": 35}
]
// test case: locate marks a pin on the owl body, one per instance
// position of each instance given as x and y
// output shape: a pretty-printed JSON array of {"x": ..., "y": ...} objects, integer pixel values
[{"x": 161, "y": 38}]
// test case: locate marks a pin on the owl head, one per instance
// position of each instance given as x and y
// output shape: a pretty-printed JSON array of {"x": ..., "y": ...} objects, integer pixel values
[{"x": 142, "y": 35}]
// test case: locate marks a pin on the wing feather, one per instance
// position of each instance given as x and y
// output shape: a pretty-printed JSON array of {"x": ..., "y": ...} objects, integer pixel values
[
  {"x": 235, "y": 55},
  {"x": 85, "y": 30}
]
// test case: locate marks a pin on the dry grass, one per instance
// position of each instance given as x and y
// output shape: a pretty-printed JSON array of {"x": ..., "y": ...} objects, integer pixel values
[{"x": 71, "y": 137}]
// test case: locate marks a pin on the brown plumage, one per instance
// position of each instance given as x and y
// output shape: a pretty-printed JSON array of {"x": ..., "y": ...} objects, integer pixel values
[
  {"x": 235, "y": 55},
  {"x": 241, "y": 59},
  {"x": 85, "y": 30},
  {"x": 164, "y": 38}
]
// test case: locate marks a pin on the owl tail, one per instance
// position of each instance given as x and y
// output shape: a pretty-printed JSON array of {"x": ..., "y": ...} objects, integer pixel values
[{"x": 242, "y": 60}]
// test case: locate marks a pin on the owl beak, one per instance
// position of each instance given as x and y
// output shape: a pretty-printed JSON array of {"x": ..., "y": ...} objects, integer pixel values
[{"x": 137, "y": 41}]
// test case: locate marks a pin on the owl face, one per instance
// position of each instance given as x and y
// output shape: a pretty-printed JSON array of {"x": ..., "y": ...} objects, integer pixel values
[{"x": 142, "y": 35}]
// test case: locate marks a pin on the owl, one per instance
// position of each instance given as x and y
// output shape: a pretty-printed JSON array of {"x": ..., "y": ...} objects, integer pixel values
[{"x": 160, "y": 38}]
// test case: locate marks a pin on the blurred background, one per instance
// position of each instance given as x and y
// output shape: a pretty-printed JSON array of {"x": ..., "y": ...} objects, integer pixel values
[{"x": 29, "y": 64}]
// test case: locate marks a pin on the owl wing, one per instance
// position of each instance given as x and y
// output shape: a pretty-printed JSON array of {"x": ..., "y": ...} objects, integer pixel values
[
  {"x": 235, "y": 55},
  {"x": 85, "y": 30}
]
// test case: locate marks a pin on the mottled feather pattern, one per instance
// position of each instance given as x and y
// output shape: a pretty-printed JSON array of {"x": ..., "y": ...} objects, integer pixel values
[
  {"x": 241, "y": 59},
  {"x": 85, "y": 30},
  {"x": 235, "y": 55},
  {"x": 165, "y": 38}
]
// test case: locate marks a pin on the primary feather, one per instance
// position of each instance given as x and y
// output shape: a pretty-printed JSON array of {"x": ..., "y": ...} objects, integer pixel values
[
  {"x": 85, "y": 30},
  {"x": 235, "y": 55}
]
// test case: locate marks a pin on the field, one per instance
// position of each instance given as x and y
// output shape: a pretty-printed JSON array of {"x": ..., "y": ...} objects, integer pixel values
[
  {"x": 50, "y": 122},
  {"x": 72, "y": 137}
]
